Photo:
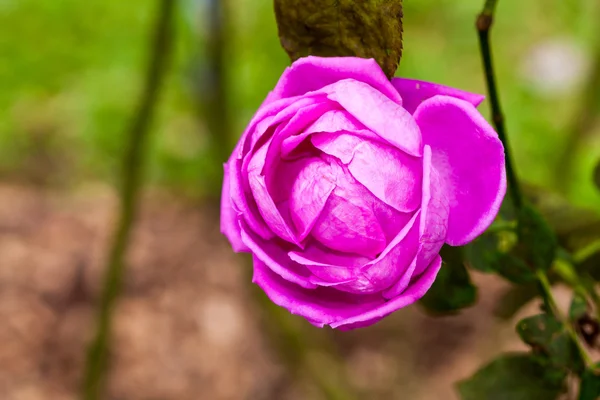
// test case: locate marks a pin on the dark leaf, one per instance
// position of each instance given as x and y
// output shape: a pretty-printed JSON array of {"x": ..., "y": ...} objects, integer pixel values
[
  {"x": 514, "y": 269},
  {"x": 579, "y": 308},
  {"x": 547, "y": 337},
  {"x": 517, "y": 376},
  {"x": 482, "y": 253},
  {"x": 452, "y": 289},
  {"x": 329, "y": 28},
  {"x": 590, "y": 386},
  {"x": 537, "y": 242}
]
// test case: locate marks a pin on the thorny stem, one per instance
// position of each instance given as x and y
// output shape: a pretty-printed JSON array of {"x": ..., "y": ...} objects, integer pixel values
[
  {"x": 484, "y": 24},
  {"x": 133, "y": 163}
]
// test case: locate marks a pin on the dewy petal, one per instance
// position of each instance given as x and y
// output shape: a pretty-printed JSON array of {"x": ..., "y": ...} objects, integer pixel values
[
  {"x": 229, "y": 218},
  {"x": 377, "y": 112},
  {"x": 321, "y": 306},
  {"x": 274, "y": 256},
  {"x": 390, "y": 174},
  {"x": 415, "y": 291},
  {"x": 469, "y": 157},
  {"x": 348, "y": 223},
  {"x": 313, "y": 73},
  {"x": 415, "y": 92}
]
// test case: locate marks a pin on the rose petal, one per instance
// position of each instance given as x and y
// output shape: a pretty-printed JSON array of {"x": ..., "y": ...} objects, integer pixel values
[
  {"x": 347, "y": 223},
  {"x": 328, "y": 265},
  {"x": 229, "y": 218},
  {"x": 321, "y": 306},
  {"x": 266, "y": 206},
  {"x": 415, "y": 92},
  {"x": 395, "y": 260},
  {"x": 274, "y": 256},
  {"x": 469, "y": 156},
  {"x": 378, "y": 113},
  {"x": 434, "y": 214},
  {"x": 391, "y": 175},
  {"x": 415, "y": 291},
  {"x": 313, "y": 73}
]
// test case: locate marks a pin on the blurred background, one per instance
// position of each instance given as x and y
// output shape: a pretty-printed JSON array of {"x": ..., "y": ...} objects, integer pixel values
[{"x": 190, "y": 325}]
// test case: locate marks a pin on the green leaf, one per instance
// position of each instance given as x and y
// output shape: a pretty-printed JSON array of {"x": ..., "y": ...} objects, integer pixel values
[
  {"x": 548, "y": 337},
  {"x": 517, "y": 376},
  {"x": 590, "y": 386},
  {"x": 514, "y": 269},
  {"x": 579, "y": 307},
  {"x": 482, "y": 253},
  {"x": 452, "y": 289},
  {"x": 537, "y": 241},
  {"x": 330, "y": 28}
]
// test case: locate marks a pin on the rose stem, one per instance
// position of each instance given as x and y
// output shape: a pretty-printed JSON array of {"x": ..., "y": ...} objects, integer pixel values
[
  {"x": 484, "y": 24},
  {"x": 133, "y": 163}
]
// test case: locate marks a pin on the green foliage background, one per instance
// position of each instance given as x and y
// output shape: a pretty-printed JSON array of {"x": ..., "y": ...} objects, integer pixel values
[{"x": 70, "y": 72}]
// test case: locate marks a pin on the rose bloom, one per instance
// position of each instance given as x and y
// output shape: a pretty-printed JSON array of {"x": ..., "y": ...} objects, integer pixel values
[{"x": 345, "y": 186}]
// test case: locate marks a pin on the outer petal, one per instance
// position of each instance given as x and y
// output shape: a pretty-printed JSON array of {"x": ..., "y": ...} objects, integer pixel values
[
  {"x": 415, "y": 92},
  {"x": 415, "y": 291},
  {"x": 435, "y": 211},
  {"x": 229, "y": 219},
  {"x": 321, "y": 306},
  {"x": 378, "y": 113},
  {"x": 470, "y": 159},
  {"x": 273, "y": 255},
  {"x": 313, "y": 73}
]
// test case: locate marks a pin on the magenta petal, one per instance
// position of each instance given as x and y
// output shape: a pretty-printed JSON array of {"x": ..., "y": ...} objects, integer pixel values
[
  {"x": 348, "y": 223},
  {"x": 275, "y": 257},
  {"x": 264, "y": 202},
  {"x": 415, "y": 92},
  {"x": 329, "y": 266},
  {"x": 395, "y": 260},
  {"x": 435, "y": 211},
  {"x": 415, "y": 291},
  {"x": 384, "y": 117},
  {"x": 313, "y": 73},
  {"x": 469, "y": 157},
  {"x": 311, "y": 189},
  {"x": 321, "y": 306},
  {"x": 229, "y": 218},
  {"x": 391, "y": 175}
]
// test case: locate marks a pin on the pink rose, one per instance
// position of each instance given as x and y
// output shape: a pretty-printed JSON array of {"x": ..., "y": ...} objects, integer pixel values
[{"x": 345, "y": 186}]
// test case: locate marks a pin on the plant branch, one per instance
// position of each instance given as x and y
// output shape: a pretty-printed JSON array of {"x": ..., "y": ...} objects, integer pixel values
[
  {"x": 133, "y": 163},
  {"x": 484, "y": 24}
]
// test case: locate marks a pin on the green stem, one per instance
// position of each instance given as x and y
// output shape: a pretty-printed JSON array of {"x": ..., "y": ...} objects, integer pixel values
[
  {"x": 484, "y": 24},
  {"x": 548, "y": 297},
  {"x": 132, "y": 173}
]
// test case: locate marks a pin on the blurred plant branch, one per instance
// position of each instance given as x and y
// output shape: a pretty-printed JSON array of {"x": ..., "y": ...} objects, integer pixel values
[
  {"x": 583, "y": 123},
  {"x": 132, "y": 173},
  {"x": 217, "y": 115}
]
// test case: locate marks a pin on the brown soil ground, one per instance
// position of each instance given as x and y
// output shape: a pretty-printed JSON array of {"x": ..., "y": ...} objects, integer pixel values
[{"x": 190, "y": 325}]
